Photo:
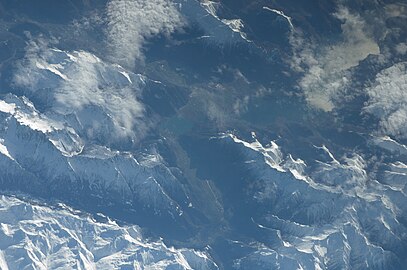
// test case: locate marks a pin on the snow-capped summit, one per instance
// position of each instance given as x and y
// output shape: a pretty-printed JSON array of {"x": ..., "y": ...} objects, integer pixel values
[
  {"x": 329, "y": 218},
  {"x": 34, "y": 236},
  {"x": 45, "y": 150}
]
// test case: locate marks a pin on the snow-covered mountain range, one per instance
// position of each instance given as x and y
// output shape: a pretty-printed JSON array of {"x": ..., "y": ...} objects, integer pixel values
[
  {"x": 336, "y": 216},
  {"x": 34, "y": 236},
  {"x": 186, "y": 134}
]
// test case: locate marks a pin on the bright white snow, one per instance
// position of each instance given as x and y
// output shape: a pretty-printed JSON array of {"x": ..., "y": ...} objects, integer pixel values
[
  {"x": 279, "y": 12},
  {"x": 38, "y": 237}
]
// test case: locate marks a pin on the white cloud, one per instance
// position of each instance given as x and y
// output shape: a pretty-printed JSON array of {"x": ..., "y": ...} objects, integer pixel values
[
  {"x": 388, "y": 100},
  {"x": 401, "y": 48},
  {"x": 241, "y": 105},
  {"x": 326, "y": 68},
  {"x": 131, "y": 22},
  {"x": 81, "y": 83},
  {"x": 26, "y": 74},
  {"x": 396, "y": 10},
  {"x": 87, "y": 86}
]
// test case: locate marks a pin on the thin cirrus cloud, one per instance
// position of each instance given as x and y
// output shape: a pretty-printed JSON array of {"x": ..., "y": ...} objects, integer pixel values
[
  {"x": 388, "y": 100},
  {"x": 131, "y": 22},
  {"x": 326, "y": 69}
]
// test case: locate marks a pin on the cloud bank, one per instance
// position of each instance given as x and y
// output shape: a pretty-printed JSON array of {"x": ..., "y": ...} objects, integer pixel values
[
  {"x": 78, "y": 82},
  {"x": 388, "y": 100},
  {"x": 326, "y": 69},
  {"x": 131, "y": 22}
]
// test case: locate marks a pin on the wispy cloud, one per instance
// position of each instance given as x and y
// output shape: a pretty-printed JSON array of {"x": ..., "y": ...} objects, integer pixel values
[
  {"x": 79, "y": 82},
  {"x": 388, "y": 100},
  {"x": 131, "y": 22},
  {"x": 401, "y": 48},
  {"x": 103, "y": 96},
  {"x": 326, "y": 68}
]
